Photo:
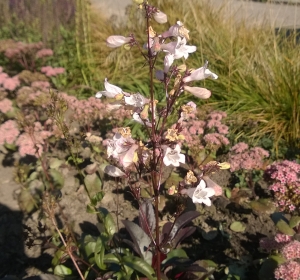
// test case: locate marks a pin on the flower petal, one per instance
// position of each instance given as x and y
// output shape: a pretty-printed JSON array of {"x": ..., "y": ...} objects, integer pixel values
[
  {"x": 160, "y": 17},
  {"x": 117, "y": 41},
  {"x": 198, "y": 92}
]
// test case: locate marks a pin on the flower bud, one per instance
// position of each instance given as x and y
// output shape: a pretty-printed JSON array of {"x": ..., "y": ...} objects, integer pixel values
[
  {"x": 116, "y": 41},
  {"x": 198, "y": 92}
]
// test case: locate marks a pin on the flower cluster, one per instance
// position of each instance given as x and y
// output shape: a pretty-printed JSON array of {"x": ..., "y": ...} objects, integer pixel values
[
  {"x": 289, "y": 249},
  {"x": 288, "y": 271},
  {"x": 32, "y": 141},
  {"x": 285, "y": 177},
  {"x": 9, "y": 132},
  {"x": 26, "y": 54},
  {"x": 209, "y": 133},
  {"x": 243, "y": 157},
  {"x": 52, "y": 71},
  {"x": 164, "y": 147},
  {"x": 9, "y": 83}
]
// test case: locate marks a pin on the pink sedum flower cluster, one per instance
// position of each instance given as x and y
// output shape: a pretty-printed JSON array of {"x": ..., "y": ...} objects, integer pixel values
[
  {"x": 9, "y": 83},
  {"x": 290, "y": 250},
  {"x": 32, "y": 141},
  {"x": 9, "y": 132},
  {"x": 5, "y": 105},
  {"x": 285, "y": 177},
  {"x": 52, "y": 71},
  {"x": 288, "y": 271},
  {"x": 243, "y": 157},
  {"x": 201, "y": 133}
]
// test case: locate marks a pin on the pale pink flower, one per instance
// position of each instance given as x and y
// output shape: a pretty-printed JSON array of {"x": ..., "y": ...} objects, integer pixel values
[
  {"x": 9, "y": 132},
  {"x": 200, "y": 194},
  {"x": 160, "y": 17},
  {"x": 199, "y": 92},
  {"x": 116, "y": 41},
  {"x": 200, "y": 74},
  {"x": 44, "y": 53},
  {"x": 5, "y": 105},
  {"x": 288, "y": 271},
  {"x": 173, "y": 156}
]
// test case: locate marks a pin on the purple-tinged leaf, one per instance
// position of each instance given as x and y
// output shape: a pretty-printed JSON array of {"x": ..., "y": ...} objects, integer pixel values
[
  {"x": 147, "y": 216},
  {"x": 140, "y": 239},
  {"x": 182, "y": 234},
  {"x": 113, "y": 171},
  {"x": 182, "y": 220}
]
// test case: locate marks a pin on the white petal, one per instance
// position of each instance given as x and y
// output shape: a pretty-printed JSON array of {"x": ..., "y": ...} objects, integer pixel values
[
  {"x": 160, "y": 17},
  {"x": 208, "y": 73},
  {"x": 111, "y": 89},
  {"x": 206, "y": 201},
  {"x": 198, "y": 92},
  {"x": 113, "y": 171},
  {"x": 182, "y": 158},
  {"x": 166, "y": 161},
  {"x": 99, "y": 94},
  {"x": 168, "y": 61},
  {"x": 201, "y": 185},
  {"x": 117, "y": 41}
]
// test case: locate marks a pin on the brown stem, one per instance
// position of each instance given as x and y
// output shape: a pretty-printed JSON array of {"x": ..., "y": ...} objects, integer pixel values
[
  {"x": 70, "y": 253},
  {"x": 155, "y": 186}
]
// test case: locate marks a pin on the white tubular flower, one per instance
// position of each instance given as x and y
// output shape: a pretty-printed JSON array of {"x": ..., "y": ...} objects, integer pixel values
[
  {"x": 136, "y": 117},
  {"x": 170, "y": 47},
  {"x": 160, "y": 17},
  {"x": 110, "y": 90},
  {"x": 182, "y": 49},
  {"x": 168, "y": 61},
  {"x": 173, "y": 156},
  {"x": 199, "y": 92},
  {"x": 116, "y": 41},
  {"x": 200, "y": 194},
  {"x": 136, "y": 100},
  {"x": 176, "y": 30},
  {"x": 200, "y": 74}
]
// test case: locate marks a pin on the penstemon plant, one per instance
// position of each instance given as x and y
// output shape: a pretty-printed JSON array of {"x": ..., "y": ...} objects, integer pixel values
[{"x": 145, "y": 162}]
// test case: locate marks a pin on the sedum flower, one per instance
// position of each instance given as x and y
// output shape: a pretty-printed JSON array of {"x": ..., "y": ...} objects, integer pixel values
[
  {"x": 200, "y": 74},
  {"x": 160, "y": 17},
  {"x": 173, "y": 156},
  {"x": 198, "y": 92},
  {"x": 116, "y": 41}
]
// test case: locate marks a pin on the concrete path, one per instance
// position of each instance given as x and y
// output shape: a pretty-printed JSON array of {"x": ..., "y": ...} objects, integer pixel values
[{"x": 275, "y": 15}]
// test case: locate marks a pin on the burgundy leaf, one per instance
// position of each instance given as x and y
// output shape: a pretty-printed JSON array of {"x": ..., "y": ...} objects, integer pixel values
[{"x": 147, "y": 216}]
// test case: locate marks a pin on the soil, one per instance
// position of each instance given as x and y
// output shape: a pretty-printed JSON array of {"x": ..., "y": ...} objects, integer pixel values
[{"x": 24, "y": 252}]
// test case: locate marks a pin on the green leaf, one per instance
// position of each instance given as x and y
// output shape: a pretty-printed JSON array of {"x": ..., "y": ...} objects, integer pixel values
[
  {"x": 139, "y": 265},
  {"x": 57, "y": 177},
  {"x": 90, "y": 208},
  {"x": 99, "y": 254},
  {"x": 27, "y": 201},
  {"x": 265, "y": 206},
  {"x": 97, "y": 198},
  {"x": 62, "y": 270},
  {"x": 177, "y": 253},
  {"x": 283, "y": 227},
  {"x": 237, "y": 227},
  {"x": 294, "y": 221},
  {"x": 89, "y": 246},
  {"x": 108, "y": 221},
  {"x": 55, "y": 163},
  {"x": 93, "y": 184},
  {"x": 111, "y": 258},
  {"x": 228, "y": 192}
]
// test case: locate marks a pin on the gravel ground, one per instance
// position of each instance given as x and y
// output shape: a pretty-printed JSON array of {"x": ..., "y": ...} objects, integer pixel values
[{"x": 274, "y": 14}]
